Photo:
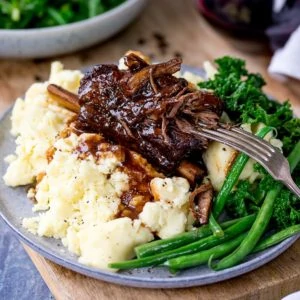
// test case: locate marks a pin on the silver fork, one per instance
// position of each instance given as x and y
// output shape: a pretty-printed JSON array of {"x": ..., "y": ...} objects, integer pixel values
[{"x": 258, "y": 149}]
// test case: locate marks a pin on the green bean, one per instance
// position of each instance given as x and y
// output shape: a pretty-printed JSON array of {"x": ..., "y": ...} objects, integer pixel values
[
  {"x": 187, "y": 261},
  {"x": 261, "y": 222},
  {"x": 277, "y": 238},
  {"x": 179, "y": 240},
  {"x": 233, "y": 177},
  {"x": 200, "y": 245},
  {"x": 215, "y": 227},
  {"x": 294, "y": 157}
]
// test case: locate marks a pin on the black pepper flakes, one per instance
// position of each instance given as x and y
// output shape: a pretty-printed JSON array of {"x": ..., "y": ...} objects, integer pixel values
[
  {"x": 38, "y": 78},
  {"x": 141, "y": 41},
  {"x": 161, "y": 41},
  {"x": 178, "y": 54}
]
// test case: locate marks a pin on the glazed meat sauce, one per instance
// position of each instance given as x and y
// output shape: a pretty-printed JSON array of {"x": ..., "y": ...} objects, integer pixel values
[
  {"x": 147, "y": 109},
  {"x": 145, "y": 112},
  {"x": 139, "y": 172}
]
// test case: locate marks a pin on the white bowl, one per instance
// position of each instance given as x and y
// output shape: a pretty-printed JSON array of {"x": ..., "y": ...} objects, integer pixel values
[{"x": 50, "y": 41}]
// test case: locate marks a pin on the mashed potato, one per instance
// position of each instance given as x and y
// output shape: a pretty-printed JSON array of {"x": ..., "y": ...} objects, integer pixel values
[
  {"x": 36, "y": 120},
  {"x": 78, "y": 197},
  {"x": 168, "y": 215},
  {"x": 111, "y": 241},
  {"x": 81, "y": 198}
]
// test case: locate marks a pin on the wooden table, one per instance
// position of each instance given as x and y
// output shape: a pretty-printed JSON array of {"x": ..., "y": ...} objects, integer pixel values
[{"x": 185, "y": 33}]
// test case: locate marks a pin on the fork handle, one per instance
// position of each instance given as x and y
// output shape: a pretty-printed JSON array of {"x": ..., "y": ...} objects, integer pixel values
[{"x": 291, "y": 185}]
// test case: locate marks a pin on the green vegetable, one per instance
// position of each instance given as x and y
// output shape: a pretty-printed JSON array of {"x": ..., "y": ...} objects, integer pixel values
[
  {"x": 245, "y": 102},
  {"x": 289, "y": 132},
  {"x": 238, "y": 201},
  {"x": 214, "y": 226},
  {"x": 187, "y": 261},
  {"x": 277, "y": 238},
  {"x": 261, "y": 222},
  {"x": 286, "y": 209},
  {"x": 179, "y": 240},
  {"x": 193, "y": 260},
  {"x": 204, "y": 243},
  {"x": 228, "y": 184},
  {"x": 247, "y": 197},
  {"x": 233, "y": 176},
  {"x": 19, "y": 14}
]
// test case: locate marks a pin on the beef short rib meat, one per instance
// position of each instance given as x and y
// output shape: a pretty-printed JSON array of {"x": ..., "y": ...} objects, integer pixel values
[{"x": 147, "y": 109}]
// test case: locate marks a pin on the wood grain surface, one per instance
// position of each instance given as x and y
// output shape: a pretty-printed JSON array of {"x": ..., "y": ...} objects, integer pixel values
[
  {"x": 188, "y": 34},
  {"x": 272, "y": 281}
]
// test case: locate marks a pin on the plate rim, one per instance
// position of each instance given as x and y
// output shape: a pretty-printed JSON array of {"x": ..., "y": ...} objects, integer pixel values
[
  {"x": 261, "y": 259},
  {"x": 155, "y": 283}
]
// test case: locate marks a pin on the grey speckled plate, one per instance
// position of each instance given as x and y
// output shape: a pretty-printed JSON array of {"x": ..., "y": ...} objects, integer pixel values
[{"x": 14, "y": 206}]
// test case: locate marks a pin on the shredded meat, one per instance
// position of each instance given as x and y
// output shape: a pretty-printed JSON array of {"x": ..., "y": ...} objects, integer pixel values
[
  {"x": 201, "y": 201},
  {"x": 191, "y": 171},
  {"x": 147, "y": 109}
]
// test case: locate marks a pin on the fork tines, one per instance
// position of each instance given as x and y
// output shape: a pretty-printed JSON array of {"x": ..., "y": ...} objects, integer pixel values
[{"x": 241, "y": 140}]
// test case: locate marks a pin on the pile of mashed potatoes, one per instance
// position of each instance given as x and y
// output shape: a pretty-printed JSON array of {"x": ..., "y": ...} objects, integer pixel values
[{"x": 77, "y": 199}]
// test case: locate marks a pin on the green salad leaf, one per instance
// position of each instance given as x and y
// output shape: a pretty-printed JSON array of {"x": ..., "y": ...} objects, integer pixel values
[{"x": 19, "y": 14}]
